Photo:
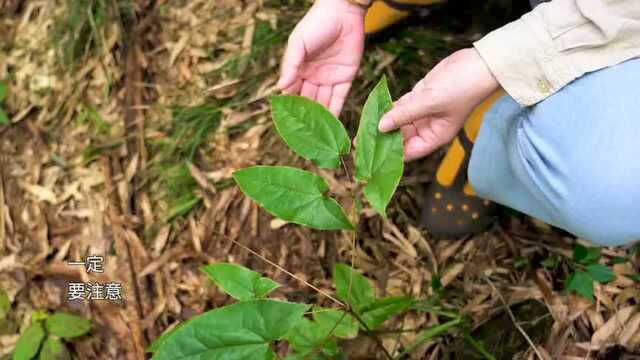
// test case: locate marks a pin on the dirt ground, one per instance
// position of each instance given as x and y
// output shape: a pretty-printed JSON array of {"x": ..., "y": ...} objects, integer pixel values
[{"x": 128, "y": 119}]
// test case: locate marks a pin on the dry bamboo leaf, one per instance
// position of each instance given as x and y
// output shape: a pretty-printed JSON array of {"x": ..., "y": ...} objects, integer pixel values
[
  {"x": 40, "y": 192},
  {"x": 630, "y": 328},
  {"x": 277, "y": 223},
  {"x": 612, "y": 326},
  {"x": 176, "y": 48},
  {"x": 450, "y": 273},
  {"x": 160, "y": 241}
]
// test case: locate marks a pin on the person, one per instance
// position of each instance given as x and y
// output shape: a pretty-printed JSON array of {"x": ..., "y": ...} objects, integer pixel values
[{"x": 543, "y": 112}]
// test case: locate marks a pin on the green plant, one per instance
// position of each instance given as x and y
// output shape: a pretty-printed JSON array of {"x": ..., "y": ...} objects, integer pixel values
[
  {"x": 46, "y": 334},
  {"x": 310, "y": 130},
  {"x": 5, "y": 306},
  {"x": 80, "y": 30},
  {"x": 254, "y": 323},
  {"x": 4, "y": 90},
  {"x": 250, "y": 327},
  {"x": 587, "y": 269},
  {"x": 189, "y": 128}
]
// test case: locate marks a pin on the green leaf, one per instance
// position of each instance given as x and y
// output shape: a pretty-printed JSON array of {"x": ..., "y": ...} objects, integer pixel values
[
  {"x": 4, "y": 90},
  {"x": 619, "y": 260},
  {"x": 634, "y": 277},
  {"x": 376, "y": 313},
  {"x": 309, "y": 341},
  {"x": 551, "y": 262},
  {"x": 601, "y": 273},
  {"x": 379, "y": 156},
  {"x": 29, "y": 343},
  {"x": 67, "y": 325},
  {"x": 242, "y": 330},
  {"x": 436, "y": 283},
  {"x": 310, "y": 130},
  {"x": 54, "y": 349},
  {"x": 155, "y": 345},
  {"x": 344, "y": 325},
  {"x": 239, "y": 282},
  {"x": 5, "y": 305},
  {"x": 361, "y": 292},
  {"x": 4, "y": 118},
  {"x": 294, "y": 195},
  {"x": 581, "y": 283},
  {"x": 520, "y": 262},
  {"x": 586, "y": 255},
  {"x": 264, "y": 286}
]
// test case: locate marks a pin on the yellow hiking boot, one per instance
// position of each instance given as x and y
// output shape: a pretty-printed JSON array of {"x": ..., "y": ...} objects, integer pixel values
[
  {"x": 384, "y": 13},
  {"x": 452, "y": 208}
]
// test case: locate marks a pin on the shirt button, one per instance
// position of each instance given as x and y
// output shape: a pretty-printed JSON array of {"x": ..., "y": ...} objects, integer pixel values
[{"x": 544, "y": 86}]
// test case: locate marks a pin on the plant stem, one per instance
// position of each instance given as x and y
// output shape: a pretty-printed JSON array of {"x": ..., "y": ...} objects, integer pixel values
[
  {"x": 429, "y": 334},
  {"x": 437, "y": 311},
  {"x": 370, "y": 333},
  {"x": 324, "y": 342},
  {"x": 478, "y": 346}
]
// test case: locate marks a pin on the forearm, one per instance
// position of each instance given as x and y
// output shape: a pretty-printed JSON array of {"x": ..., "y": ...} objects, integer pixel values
[{"x": 554, "y": 44}]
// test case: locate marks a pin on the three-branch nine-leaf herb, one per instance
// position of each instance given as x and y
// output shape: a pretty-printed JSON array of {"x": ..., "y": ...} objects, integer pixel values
[{"x": 311, "y": 131}]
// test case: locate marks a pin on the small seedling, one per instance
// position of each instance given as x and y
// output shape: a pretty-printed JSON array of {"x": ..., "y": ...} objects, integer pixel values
[
  {"x": 586, "y": 270},
  {"x": 44, "y": 338}
]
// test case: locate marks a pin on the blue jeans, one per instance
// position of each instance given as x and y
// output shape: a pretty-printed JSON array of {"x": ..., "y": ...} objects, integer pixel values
[{"x": 572, "y": 160}]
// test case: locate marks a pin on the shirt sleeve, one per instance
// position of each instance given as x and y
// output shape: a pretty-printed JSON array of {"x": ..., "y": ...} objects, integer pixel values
[{"x": 559, "y": 41}]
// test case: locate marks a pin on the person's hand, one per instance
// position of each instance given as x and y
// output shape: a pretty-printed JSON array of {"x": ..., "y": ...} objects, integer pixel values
[
  {"x": 324, "y": 53},
  {"x": 434, "y": 111}
]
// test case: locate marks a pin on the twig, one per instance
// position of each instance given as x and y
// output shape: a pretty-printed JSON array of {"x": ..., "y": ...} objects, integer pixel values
[
  {"x": 344, "y": 166},
  {"x": 513, "y": 318}
]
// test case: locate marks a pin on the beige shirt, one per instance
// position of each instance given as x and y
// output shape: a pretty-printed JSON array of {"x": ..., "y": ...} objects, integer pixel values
[{"x": 559, "y": 41}]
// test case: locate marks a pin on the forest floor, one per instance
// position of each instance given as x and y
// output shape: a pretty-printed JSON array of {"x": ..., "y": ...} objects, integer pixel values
[{"x": 127, "y": 120}]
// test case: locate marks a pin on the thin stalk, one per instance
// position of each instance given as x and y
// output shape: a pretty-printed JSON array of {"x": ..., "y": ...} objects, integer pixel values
[
  {"x": 370, "y": 333},
  {"x": 429, "y": 334},
  {"x": 478, "y": 346},
  {"x": 324, "y": 342},
  {"x": 354, "y": 242}
]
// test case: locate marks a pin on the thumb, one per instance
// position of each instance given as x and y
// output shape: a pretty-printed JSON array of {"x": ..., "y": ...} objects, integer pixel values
[
  {"x": 403, "y": 113},
  {"x": 291, "y": 62}
]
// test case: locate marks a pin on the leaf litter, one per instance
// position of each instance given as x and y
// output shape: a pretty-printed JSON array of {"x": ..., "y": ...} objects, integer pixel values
[{"x": 73, "y": 185}]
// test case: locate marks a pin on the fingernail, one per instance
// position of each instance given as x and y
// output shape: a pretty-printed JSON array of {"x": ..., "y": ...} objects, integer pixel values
[{"x": 386, "y": 124}]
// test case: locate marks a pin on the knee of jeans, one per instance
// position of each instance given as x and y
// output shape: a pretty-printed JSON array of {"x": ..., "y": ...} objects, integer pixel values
[
  {"x": 596, "y": 200},
  {"x": 597, "y": 206}
]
